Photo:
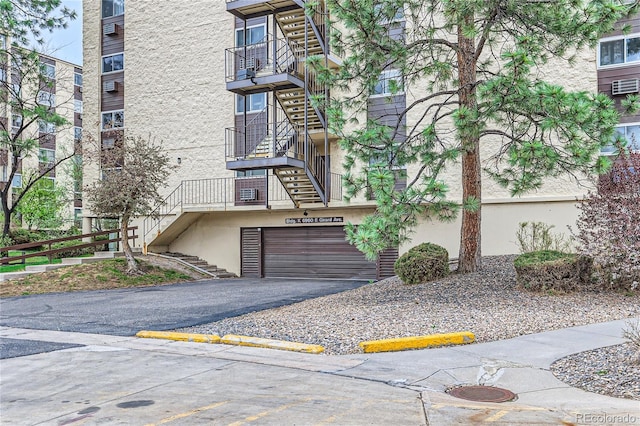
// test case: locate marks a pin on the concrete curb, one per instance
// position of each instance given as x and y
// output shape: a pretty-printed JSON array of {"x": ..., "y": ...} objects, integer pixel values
[
  {"x": 183, "y": 337},
  {"x": 232, "y": 339},
  {"x": 418, "y": 342}
]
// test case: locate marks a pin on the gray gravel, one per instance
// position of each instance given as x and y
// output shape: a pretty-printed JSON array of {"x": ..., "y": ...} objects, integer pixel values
[
  {"x": 606, "y": 371},
  {"x": 488, "y": 303}
]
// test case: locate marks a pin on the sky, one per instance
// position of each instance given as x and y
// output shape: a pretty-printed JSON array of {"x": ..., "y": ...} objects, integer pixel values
[{"x": 66, "y": 44}]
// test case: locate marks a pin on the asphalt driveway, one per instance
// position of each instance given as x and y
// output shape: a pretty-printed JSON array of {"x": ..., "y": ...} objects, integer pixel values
[{"x": 124, "y": 312}]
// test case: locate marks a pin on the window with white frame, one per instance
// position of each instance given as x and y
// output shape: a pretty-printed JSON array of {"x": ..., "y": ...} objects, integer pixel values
[
  {"x": 112, "y": 120},
  {"x": 77, "y": 79},
  {"x": 112, "y": 8},
  {"x": 77, "y": 133},
  {"x": 48, "y": 70},
  {"x": 46, "y": 98},
  {"x": 255, "y": 103},
  {"x": 255, "y": 34},
  {"x": 389, "y": 83},
  {"x": 631, "y": 132},
  {"x": 47, "y": 156},
  {"x": 16, "y": 182},
  {"x": 45, "y": 127},
  {"x": 3, "y": 74},
  {"x": 113, "y": 63},
  {"x": 616, "y": 51},
  {"x": 77, "y": 106}
]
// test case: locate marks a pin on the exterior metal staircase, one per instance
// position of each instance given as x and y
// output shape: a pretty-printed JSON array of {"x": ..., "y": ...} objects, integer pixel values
[{"x": 276, "y": 64}]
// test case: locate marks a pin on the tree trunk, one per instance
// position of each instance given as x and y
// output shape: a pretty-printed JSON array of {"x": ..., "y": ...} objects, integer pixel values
[
  {"x": 469, "y": 258},
  {"x": 7, "y": 212},
  {"x": 132, "y": 265}
]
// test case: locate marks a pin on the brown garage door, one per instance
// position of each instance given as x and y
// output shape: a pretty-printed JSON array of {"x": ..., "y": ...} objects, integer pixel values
[
  {"x": 319, "y": 252},
  {"x": 315, "y": 252}
]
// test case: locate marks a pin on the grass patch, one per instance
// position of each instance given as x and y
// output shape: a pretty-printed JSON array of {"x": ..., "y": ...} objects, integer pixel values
[
  {"x": 32, "y": 261},
  {"x": 106, "y": 274}
]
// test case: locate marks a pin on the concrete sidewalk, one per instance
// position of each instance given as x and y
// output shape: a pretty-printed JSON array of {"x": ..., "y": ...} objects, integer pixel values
[{"x": 101, "y": 379}]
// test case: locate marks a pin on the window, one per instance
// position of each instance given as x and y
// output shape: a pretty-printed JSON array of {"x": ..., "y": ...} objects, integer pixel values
[
  {"x": 389, "y": 83},
  {"x": 631, "y": 132},
  {"x": 46, "y": 98},
  {"x": 254, "y": 35},
  {"x": 113, "y": 63},
  {"x": 112, "y": 120},
  {"x": 16, "y": 121},
  {"x": 48, "y": 71},
  {"x": 3, "y": 74},
  {"x": 77, "y": 133},
  {"x": 77, "y": 79},
  {"x": 249, "y": 173},
  {"x": 77, "y": 106},
  {"x": 112, "y": 8},
  {"x": 385, "y": 16},
  {"x": 255, "y": 103},
  {"x": 3, "y": 41},
  {"x": 47, "y": 156},
  {"x": 16, "y": 182},
  {"x": 619, "y": 51},
  {"x": 45, "y": 127}
]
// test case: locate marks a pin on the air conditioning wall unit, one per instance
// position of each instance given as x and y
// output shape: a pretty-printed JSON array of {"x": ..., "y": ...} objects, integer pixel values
[
  {"x": 109, "y": 29},
  {"x": 110, "y": 86},
  {"x": 623, "y": 87},
  {"x": 249, "y": 63},
  {"x": 248, "y": 194}
]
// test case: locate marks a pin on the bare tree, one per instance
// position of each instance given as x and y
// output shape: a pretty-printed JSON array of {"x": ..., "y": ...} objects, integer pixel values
[{"x": 133, "y": 171}]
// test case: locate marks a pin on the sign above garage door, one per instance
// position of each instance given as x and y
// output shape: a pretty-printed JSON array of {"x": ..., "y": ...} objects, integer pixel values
[{"x": 294, "y": 220}]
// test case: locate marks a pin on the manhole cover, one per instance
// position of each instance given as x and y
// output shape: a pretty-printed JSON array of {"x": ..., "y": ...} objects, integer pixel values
[{"x": 483, "y": 393}]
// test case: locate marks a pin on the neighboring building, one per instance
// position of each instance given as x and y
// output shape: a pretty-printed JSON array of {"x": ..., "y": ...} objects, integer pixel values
[
  {"x": 618, "y": 63},
  {"x": 258, "y": 185},
  {"x": 62, "y": 93}
]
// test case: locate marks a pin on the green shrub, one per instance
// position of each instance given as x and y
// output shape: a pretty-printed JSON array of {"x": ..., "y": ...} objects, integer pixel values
[
  {"x": 425, "y": 262},
  {"x": 549, "y": 270},
  {"x": 23, "y": 236}
]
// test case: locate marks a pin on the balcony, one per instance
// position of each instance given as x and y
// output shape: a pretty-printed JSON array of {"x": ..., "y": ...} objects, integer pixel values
[{"x": 272, "y": 64}]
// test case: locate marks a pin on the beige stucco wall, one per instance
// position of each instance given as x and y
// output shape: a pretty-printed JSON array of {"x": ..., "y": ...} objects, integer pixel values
[
  {"x": 175, "y": 85},
  {"x": 91, "y": 31},
  {"x": 215, "y": 237}
]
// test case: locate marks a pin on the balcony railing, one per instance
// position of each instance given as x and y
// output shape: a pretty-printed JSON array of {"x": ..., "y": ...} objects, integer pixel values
[
  {"x": 221, "y": 193},
  {"x": 267, "y": 57}
]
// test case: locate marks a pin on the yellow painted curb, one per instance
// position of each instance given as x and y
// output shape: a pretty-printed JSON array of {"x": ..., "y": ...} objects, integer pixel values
[
  {"x": 184, "y": 337},
  {"x": 257, "y": 342},
  {"x": 418, "y": 342}
]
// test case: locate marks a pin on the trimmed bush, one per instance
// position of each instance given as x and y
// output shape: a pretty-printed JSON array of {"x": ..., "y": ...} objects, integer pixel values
[
  {"x": 547, "y": 270},
  {"x": 422, "y": 263}
]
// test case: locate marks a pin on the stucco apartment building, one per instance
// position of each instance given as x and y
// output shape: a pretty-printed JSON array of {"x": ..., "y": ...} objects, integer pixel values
[
  {"x": 258, "y": 189},
  {"x": 61, "y": 93}
]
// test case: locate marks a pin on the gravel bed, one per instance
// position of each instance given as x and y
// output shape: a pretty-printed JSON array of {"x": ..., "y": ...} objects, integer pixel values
[
  {"x": 488, "y": 303},
  {"x": 606, "y": 371}
]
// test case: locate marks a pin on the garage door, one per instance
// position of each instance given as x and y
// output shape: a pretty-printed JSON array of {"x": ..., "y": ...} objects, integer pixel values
[
  {"x": 315, "y": 252},
  {"x": 319, "y": 252}
]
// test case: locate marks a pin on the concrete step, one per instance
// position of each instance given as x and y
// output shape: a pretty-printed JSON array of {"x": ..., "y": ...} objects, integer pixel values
[
  {"x": 14, "y": 275},
  {"x": 44, "y": 268}
]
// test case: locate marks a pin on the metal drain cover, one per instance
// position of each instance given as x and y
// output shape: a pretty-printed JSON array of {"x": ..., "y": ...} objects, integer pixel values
[{"x": 483, "y": 393}]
